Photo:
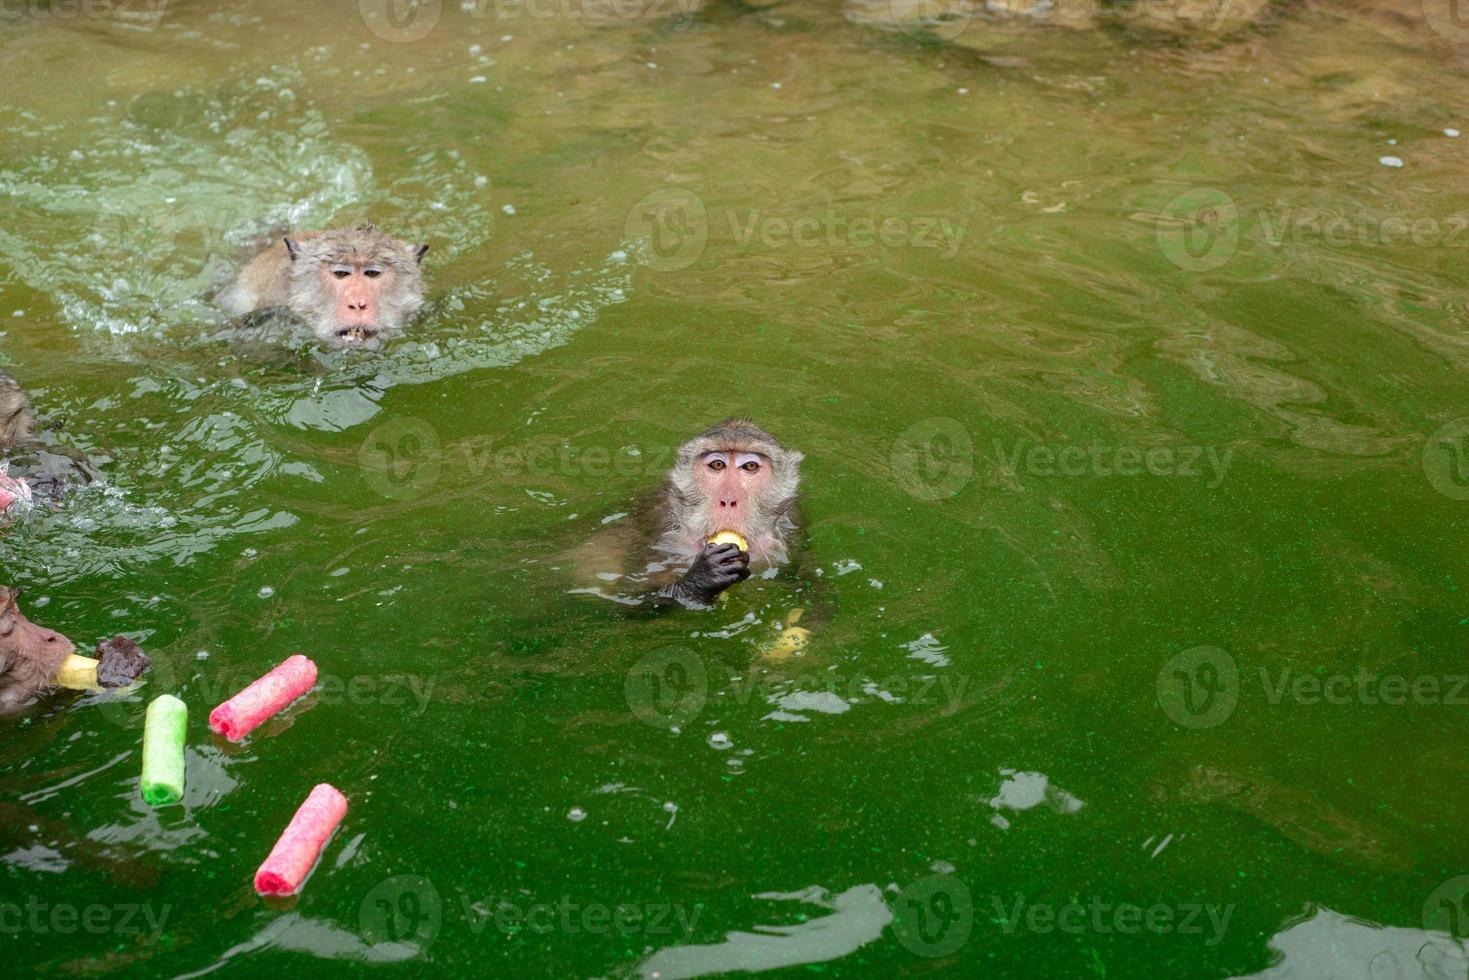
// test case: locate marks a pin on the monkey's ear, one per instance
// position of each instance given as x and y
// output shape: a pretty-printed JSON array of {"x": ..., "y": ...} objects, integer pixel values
[
  {"x": 419, "y": 252},
  {"x": 293, "y": 249}
]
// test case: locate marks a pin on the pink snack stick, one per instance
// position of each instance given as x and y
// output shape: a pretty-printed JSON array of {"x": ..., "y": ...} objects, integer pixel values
[
  {"x": 295, "y": 854},
  {"x": 243, "y": 713}
]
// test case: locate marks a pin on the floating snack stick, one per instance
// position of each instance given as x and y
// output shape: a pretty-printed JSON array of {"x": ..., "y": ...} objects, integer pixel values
[
  {"x": 295, "y": 854},
  {"x": 244, "y": 712},
  {"x": 163, "y": 750}
]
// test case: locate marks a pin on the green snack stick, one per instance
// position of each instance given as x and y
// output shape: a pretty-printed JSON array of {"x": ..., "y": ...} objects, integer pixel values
[{"x": 163, "y": 750}]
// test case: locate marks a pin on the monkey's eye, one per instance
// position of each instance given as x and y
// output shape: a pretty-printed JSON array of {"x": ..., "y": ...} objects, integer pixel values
[
  {"x": 341, "y": 271},
  {"x": 372, "y": 272},
  {"x": 750, "y": 467},
  {"x": 716, "y": 464}
]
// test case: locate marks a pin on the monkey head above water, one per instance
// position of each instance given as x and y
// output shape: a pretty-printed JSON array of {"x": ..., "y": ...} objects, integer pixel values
[
  {"x": 726, "y": 508},
  {"x": 354, "y": 287},
  {"x": 33, "y": 658}
]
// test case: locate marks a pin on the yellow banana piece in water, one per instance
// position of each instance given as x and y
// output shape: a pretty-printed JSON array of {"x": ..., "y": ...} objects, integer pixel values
[
  {"x": 792, "y": 640},
  {"x": 730, "y": 537},
  {"x": 78, "y": 673}
]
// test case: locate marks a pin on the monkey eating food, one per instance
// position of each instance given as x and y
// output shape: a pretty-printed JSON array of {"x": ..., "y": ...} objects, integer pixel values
[
  {"x": 353, "y": 287},
  {"x": 33, "y": 658},
  {"x": 727, "y": 507}
]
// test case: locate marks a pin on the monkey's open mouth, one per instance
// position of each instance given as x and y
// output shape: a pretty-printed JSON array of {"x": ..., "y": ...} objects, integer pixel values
[{"x": 352, "y": 336}]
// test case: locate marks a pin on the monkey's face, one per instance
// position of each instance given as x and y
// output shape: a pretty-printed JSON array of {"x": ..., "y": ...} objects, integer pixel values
[
  {"x": 733, "y": 483},
  {"x": 363, "y": 306},
  {"x": 19, "y": 637},
  {"x": 354, "y": 288}
]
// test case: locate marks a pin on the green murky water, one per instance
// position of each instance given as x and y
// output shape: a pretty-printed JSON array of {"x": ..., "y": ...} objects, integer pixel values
[{"x": 1130, "y": 376}]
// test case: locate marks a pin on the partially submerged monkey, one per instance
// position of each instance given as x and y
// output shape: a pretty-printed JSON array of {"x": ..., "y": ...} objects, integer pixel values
[
  {"x": 43, "y": 467},
  {"x": 354, "y": 287},
  {"x": 31, "y": 656},
  {"x": 732, "y": 477},
  {"x": 16, "y": 416}
]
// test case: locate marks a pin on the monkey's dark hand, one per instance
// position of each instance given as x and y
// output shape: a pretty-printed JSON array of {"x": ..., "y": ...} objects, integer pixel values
[
  {"x": 717, "y": 568},
  {"x": 119, "y": 662}
]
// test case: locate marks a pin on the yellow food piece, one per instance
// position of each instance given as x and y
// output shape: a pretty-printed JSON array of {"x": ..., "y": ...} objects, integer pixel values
[
  {"x": 731, "y": 537},
  {"x": 77, "y": 673},
  {"x": 792, "y": 641}
]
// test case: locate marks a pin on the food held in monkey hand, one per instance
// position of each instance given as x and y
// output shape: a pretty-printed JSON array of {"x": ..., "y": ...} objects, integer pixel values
[
  {"x": 730, "y": 537},
  {"x": 118, "y": 663}
]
